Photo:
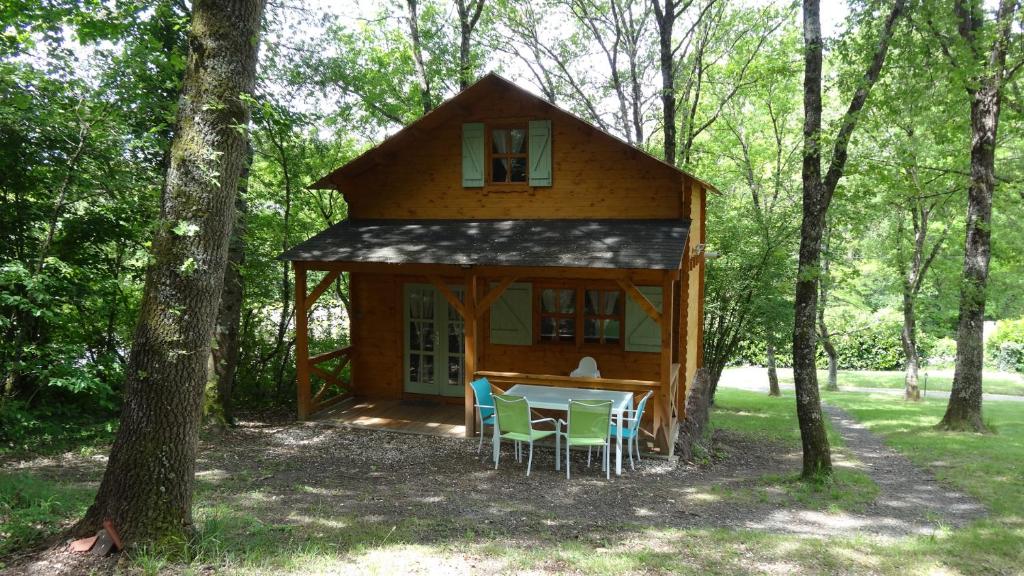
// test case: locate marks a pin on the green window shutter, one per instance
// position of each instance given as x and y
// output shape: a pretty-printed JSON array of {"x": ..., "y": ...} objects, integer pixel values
[
  {"x": 473, "y": 155},
  {"x": 540, "y": 153},
  {"x": 512, "y": 316},
  {"x": 643, "y": 334}
]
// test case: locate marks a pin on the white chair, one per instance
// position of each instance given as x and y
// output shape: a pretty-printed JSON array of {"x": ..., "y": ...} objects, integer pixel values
[{"x": 586, "y": 369}]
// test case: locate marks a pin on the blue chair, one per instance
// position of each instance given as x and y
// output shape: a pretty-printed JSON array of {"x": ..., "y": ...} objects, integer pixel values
[
  {"x": 631, "y": 429},
  {"x": 484, "y": 407}
]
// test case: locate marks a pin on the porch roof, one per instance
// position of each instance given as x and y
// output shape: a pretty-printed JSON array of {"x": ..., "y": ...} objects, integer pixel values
[{"x": 610, "y": 244}]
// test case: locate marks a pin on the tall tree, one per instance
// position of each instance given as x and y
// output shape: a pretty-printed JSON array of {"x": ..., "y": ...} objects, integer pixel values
[
  {"x": 817, "y": 195},
  {"x": 426, "y": 96},
  {"x": 148, "y": 483},
  {"x": 987, "y": 73},
  {"x": 469, "y": 16}
]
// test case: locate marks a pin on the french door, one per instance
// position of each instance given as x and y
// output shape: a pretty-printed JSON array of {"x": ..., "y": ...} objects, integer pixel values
[{"x": 434, "y": 345}]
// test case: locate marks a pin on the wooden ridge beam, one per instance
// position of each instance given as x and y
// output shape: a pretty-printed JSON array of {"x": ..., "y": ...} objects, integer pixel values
[
  {"x": 320, "y": 289},
  {"x": 640, "y": 299}
]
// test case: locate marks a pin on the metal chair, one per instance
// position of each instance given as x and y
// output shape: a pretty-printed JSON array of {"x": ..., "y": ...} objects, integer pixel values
[{"x": 512, "y": 419}]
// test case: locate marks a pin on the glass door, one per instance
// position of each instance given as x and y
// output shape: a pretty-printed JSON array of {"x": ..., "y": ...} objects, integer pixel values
[{"x": 434, "y": 345}]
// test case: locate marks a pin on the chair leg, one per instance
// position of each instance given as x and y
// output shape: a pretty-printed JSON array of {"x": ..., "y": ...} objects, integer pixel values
[
  {"x": 607, "y": 462},
  {"x": 558, "y": 450},
  {"x": 629, "y": 448},
  {"x": 638, "y": 450},
  {"x": 480, "y": 446},
  {"x": 567, "y": 458},
  {"x": 589, "y": 448},
  {"x": 497, "y": 454},
  {"x": 529, "y": 461}
]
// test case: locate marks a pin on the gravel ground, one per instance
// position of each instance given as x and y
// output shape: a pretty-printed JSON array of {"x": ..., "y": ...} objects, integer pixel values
[{"x": 317, "y": 475}]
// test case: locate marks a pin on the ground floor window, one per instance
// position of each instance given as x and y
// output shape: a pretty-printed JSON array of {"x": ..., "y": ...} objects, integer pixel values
[{"x": 579, "y": 313}]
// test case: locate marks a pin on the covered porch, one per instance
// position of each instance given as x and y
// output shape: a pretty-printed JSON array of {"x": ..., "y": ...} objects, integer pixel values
[{"x": 484, "y": 266}]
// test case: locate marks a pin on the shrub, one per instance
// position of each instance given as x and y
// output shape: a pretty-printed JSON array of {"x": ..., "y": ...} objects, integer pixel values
[{"x": 1005, "y": 348}]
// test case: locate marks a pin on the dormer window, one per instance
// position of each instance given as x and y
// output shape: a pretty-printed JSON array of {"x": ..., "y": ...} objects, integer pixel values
[{"x": 509, "y": 158}]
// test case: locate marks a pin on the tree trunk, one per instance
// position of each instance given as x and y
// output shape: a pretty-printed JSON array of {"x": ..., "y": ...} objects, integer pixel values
[
  {"x": 964, "y": 409},
  {"x": 824, "y": 283},
  {"x": 147, "y": 488},
  {"x": 229, "y": 315},
  {"x": 469, "y": 15},
  {"x": 908, "y": 337},
  {"x": 417, "y": 54},
  {"x": 773, "y": 375},
  {"x": 817, "y": 195},
  {"x": 666, "y": 19}
]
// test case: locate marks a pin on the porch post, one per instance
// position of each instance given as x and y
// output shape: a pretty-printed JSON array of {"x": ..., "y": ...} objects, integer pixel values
[
  {"x": 469, "y": 333},
  {"x": 667, "y": 343},
  {"x": 302, "y": 342}
]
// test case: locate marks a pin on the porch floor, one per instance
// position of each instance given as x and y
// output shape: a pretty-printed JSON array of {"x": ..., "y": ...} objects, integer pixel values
[{"x": 411, "y": 416}]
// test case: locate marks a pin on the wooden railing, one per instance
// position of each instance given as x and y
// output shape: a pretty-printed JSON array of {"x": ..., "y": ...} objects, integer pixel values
[{"x": 331, "y": 377}]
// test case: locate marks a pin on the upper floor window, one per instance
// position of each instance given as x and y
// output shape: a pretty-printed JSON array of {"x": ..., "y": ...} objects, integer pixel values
[{"x": 508, "y": 154}]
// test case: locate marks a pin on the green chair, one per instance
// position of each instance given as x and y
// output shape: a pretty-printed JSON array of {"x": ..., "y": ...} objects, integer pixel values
[
  {"x": 587, "y": 425},
  {"x": 512, "y": 422}
]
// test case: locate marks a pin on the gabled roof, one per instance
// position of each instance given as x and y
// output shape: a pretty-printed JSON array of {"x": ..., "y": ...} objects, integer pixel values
[
  {"x": 456, "y": 106},
  {"x": 607, "y": 244}
]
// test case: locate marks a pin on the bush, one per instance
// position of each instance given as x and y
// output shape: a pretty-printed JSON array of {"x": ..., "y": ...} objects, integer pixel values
[
  {"x": 1005, "y": 348},
  {"x": 871, "y": 343}
]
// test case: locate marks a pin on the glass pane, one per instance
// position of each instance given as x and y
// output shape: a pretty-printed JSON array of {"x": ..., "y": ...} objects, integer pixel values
[
  {"x": 590, "y": 333},
  {"x": 454, "y": 369},
  {"x": 566, "y": 329},
  {"x": 612, "y": 304},
  {"x": 518, "y": 140},
  {"x": 547, "y": 328},
  {"x": 427, "y": 334},
  {"x": 415, "y": 308},
  {"x": 414, "y": 367},
  {"x": 547, "y": 300},
  {"x": 611, "y": 330},
  {"x": 428, "y": 369},
  {"x": 567, "y": 300},
  {"x": 518, "y": 170},
  {"x": 427, "y": 298},
  {"x": 414, "y": 336},
  {"x": 455, "y": 338},
  {"x": 499, "y": 141},
  {"x": 591, "y": 304},
  {"x": 499, "y": 170}
]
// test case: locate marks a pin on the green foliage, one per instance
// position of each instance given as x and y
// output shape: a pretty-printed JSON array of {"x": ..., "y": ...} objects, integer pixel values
[{"x": 1005, "y": 348}]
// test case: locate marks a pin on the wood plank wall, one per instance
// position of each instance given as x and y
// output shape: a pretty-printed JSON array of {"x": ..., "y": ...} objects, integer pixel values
[{"x": 595, "y": 176}]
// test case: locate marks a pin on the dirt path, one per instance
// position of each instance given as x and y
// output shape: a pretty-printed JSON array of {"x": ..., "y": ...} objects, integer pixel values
[{"x": 910, "y": 498}]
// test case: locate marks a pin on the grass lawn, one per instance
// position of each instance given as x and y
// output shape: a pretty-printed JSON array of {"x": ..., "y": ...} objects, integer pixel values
[
  {"x": 942, "y": 380},
  {"x": 235, "y": 538}
]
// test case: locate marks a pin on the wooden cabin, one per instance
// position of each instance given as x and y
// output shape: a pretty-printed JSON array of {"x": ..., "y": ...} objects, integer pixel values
[{"x": 502, "y": 236}]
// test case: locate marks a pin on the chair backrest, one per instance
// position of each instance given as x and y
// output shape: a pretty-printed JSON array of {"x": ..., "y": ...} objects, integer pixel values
[
  {"x": 640, "y": 411},
  {"x": 513, "y": 414},
  {"x": 482, "y": 391},
  {"x": 586, "y": 369},
  {"x": 589, "y": 418}
]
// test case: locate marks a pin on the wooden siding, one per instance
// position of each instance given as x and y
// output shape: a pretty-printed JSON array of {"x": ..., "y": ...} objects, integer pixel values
[{"x": 594, "y": 176}]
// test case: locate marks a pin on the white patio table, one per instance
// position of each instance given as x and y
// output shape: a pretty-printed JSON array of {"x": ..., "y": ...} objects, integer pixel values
[{"x": 556, "y": 398}]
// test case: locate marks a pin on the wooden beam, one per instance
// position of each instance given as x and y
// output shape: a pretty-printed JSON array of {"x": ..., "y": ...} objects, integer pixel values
[
  {"x": 321, "y": 358},
  {"x": 667, "y": 342},
  {"x": 320, "y": 289},
  {"x": 450, "y": 296},
  {"x": 303, "y": 389},
  {"x": 642, "y": 300},
  {"x": 499, "y": 378},
  {"x": 469, "y": 332},
  {"x": 494, "y": 294}
]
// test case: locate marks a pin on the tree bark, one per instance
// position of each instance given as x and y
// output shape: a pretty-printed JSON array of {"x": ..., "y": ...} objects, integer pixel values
[
  {"x": 773, "y": 374},
  {"x": 817, "y": 195},
  {"x": 469, "y": 15},
  {"x": 908, "y": 336},
  {"x": 417, "y": 53},
  {"x": 147, "y": 487},
  {"x": 964, "y": 409},
  {"x": 229, "y": 314},
  {"x": 826, "y": 338}
]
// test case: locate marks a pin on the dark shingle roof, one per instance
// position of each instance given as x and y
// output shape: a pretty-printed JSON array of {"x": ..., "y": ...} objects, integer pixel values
[{"x": 637, "y": 244}]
